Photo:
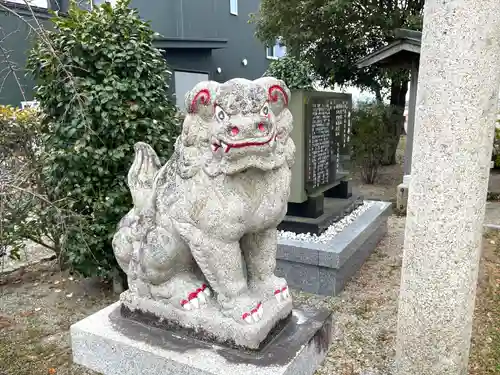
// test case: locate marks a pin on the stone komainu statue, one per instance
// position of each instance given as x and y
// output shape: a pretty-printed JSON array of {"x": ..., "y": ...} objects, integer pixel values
[{"x": 199, "y": 245}]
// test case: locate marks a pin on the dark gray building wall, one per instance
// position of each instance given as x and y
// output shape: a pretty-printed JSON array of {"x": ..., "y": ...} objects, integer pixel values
[
  {"x": 242, "y": 44},
  {"x": 16, "y": 40},
  {"x": 210, "y": 19},
  {"x": 191, "y": 19},
  {"x": 196, "y": 60}
]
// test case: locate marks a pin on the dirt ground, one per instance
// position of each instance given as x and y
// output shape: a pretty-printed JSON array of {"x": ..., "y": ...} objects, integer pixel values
[
  {"x": 388, "y": 179},
  {"x": 485, "y": 346},
  {"x": 39, "y": 303}
]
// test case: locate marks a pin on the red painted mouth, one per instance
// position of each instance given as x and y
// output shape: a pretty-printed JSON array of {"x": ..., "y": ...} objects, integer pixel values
[{"x": 227, "y": 146}]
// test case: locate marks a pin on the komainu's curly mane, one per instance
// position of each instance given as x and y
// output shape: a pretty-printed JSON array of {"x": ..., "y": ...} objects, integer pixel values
[{"x": 237, "y": 97}]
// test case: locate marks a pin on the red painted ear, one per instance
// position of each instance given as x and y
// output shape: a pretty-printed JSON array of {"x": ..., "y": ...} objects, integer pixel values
[
  {"x": 202, "y": 97},
  {"x": 275, "y": 92}
]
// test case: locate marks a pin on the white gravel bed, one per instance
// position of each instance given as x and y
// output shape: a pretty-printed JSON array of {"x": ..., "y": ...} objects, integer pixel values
[{"x": 332, "y": 230}]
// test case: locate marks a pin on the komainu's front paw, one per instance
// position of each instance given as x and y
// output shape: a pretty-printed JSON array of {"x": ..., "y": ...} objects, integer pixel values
[
  {"x": 282, "y": 294},
  {"x": 185, "y": 291},
  {"x": 243, "y": 309},
  {"x": 254, "y": 315},
  {"x": 270, "y": 286},
  {"x": 197, "y": 298}
]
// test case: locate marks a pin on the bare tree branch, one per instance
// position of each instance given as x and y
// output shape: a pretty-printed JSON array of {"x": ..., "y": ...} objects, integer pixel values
[{"x": 11, "y": 67}]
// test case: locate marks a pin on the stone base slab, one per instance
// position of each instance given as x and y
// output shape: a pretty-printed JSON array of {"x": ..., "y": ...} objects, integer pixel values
[
  {"x": 325, "y": 268},
  {"x": 112, "y": 345}
]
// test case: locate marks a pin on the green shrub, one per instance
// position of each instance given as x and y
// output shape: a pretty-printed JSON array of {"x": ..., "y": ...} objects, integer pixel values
[
  {"x": 19, "y": 171},
  {"x": 369, "y": 138},
  {"x": 26, "y": 212},
  {"x": 102, "y": 87},
  {"x": 296, "y": 74}
]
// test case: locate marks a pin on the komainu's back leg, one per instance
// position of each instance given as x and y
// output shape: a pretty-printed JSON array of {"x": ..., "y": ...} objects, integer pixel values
[
  {"x": 123, "y": 242},
  {"x": 167, "y": 265}
]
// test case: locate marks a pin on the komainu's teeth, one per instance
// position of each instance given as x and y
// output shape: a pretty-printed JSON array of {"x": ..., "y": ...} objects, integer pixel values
[
  {"x": 202, "y": 298},
  {"x": 215, "y": 147},
  {"x": 195, "y": 303}
]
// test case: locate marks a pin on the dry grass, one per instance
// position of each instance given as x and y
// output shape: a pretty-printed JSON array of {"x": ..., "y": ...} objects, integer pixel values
[
  {"x": 485, "y": 346},
  {"x": 38, "y": 304},
  {"x": 388, "y": 178}
]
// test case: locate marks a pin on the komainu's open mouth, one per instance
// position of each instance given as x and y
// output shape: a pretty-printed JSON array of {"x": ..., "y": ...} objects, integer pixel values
[{"x": 218, "y": 144}]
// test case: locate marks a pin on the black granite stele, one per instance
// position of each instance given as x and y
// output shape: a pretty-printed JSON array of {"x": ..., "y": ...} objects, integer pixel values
[{"x": 335, "y": 209}]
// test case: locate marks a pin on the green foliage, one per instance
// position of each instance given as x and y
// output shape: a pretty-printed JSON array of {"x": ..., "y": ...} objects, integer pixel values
[
  {"x": 25, "y": 211},
  {"x": 18, "y": 165},
  {"x": 369, "y": 138},
  {"x": 102, "y": 87},
  {"x": 297, "y": 74},
  {"x": 333, "y": 34}
]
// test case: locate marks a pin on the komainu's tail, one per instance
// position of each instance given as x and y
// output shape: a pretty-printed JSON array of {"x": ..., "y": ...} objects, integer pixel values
[{"x": 142, "y": 173}]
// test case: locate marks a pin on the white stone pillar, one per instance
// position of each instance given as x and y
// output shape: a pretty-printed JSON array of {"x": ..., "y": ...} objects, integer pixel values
[{"x": 459, "y": 79}]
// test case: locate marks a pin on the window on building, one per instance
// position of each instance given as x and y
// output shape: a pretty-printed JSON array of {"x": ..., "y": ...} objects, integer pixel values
[
  {"x": 35, "y": 3},
  {"x": 277, "y": 51},
  {"x": 184, "y": 82},
  {"x": 233, "y": 7}
]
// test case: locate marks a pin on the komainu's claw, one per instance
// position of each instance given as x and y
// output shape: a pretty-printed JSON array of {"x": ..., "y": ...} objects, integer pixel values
[
  {"x": 260, "y": 311},
  {"x": 255, "y": 315},
  {"x": 196, "y": 299},
  {"x": 202, "y": 298},
  {"x": 282, "y": 294}
]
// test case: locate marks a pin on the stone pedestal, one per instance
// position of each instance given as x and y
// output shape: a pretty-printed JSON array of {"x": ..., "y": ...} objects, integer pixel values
[
  {"x": 209, "y": 321},
  {"x": 402, "y": 195},
  {"x": 312, "y": 208},
  {"x": 112, "y": 345},
  {"x": 325, "y": 268},
  {"x": 333, "y": 210},
  {"x": 342, "y": 190}
]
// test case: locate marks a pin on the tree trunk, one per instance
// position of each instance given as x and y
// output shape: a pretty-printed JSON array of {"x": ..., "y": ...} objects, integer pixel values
[
  {"x": 378, "y": 95},
  {"x": 395, "y": 123}
]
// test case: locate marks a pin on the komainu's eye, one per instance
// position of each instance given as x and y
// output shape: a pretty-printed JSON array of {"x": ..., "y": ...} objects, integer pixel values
[
  {"x": 220, "y": 115},
  {"x": 265, "y": 110}
]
